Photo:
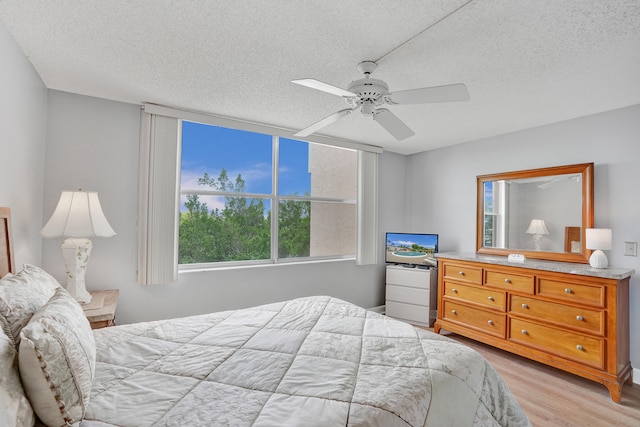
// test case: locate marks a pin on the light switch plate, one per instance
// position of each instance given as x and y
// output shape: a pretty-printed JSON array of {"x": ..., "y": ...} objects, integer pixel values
[{"x": 631, "y": 248}]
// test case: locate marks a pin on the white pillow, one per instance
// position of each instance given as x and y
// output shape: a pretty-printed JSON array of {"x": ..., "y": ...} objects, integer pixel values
[
  {"x": 21, "y": 295},
  {"x": 15, "y": 409},
  {"x": 57, "y": 358}
]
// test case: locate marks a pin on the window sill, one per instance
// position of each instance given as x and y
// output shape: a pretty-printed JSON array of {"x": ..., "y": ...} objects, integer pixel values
[{"x": 208, "y": 267}]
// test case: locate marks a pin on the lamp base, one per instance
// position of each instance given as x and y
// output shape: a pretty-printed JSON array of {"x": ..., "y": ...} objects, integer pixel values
[
  {"x": 598, "y": 259},
  {"x": 537, "y": 242},
  {"x": 76, "y": 254}
]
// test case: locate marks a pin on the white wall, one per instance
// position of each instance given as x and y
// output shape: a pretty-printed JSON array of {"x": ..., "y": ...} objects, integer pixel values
[
  {"x": 610, "y": 140},
  {"x": 392, "y": 197},
  {"x": 93, "y": 144},
  {"x": 23, "y": 100}
]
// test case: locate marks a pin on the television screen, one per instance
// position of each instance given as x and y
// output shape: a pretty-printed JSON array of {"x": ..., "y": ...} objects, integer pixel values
[{"x": 411, "y": 248}]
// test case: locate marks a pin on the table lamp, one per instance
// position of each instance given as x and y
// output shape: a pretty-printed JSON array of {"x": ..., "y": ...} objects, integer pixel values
[
  {"x": 537, "y": 228},
  {"x": 77, "y": 216},
  {"x": 598, "y": 239}
]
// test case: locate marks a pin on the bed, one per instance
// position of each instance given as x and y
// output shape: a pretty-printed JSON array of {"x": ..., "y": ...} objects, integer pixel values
[{"x": 315, "y": 361}]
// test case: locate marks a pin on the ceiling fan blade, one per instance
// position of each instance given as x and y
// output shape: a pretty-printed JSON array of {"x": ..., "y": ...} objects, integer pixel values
[
  {"x": 325, "y": 87},
  {"x": 324, "y": 122},
  {"x": 392, "y": 124},
  {"x": 425, "y": 95}
]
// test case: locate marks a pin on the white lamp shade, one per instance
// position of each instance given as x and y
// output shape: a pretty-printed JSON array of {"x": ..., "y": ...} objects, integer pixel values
[
  {"x": 78, "y": 214},
  {"x": 537, "y": 227},
  {"x": 598, "y": 238}
]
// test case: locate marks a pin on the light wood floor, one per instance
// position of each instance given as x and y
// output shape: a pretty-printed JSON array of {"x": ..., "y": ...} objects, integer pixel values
[{"x": 551, "y": 397}]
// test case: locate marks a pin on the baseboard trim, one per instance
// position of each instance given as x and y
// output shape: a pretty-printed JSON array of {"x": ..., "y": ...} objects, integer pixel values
[{"x": 379, "y": 309}]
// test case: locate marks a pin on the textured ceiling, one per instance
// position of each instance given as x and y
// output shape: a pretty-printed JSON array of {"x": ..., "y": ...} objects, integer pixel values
[{"x": 525, "y": 63}]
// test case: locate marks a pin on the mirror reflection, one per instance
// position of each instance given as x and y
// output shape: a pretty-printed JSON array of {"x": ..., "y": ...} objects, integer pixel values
[
  {"x": 533, "y": 213},
  {"x": 541, "y": 213}
]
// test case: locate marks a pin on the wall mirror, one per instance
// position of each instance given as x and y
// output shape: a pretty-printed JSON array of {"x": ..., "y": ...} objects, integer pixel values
[{"x": 540, "y": 213}]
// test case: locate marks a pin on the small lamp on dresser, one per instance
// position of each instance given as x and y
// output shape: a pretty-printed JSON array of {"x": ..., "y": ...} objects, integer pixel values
[
  {"x": 538, "y": 229},
  {"x": 77, "y": 216},
  {"x": 598, "y": 239}
]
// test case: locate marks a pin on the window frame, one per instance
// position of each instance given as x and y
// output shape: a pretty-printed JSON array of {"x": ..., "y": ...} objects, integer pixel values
[
  {"x": 274, "y": 198},
  {"x": 500, "y": 234},
  {"x": 159, "y": 190}
]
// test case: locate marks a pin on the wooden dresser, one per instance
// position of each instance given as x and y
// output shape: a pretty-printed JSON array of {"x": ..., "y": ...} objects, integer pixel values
[{"x": 568, "y": 316}]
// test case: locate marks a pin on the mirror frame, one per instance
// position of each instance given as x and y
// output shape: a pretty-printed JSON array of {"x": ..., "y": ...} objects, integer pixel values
[{"x": 585, "y": 169}]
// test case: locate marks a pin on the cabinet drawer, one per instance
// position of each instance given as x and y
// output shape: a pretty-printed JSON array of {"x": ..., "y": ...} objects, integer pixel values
[
  {"x": 509, "y": 281},
  {"x": 414, "y": 296},
  {"x": 409, "y": 312},
  {"x": 463, "y": 272},
  {"x": 574, "y": 317},
  {"x": 488, "y": 321},
  {"x": 569, "y": 291},
  {"x": 408, "y": 277},
  {"x": 487, "y": 297},
  {"x": 567, "y": 344}
]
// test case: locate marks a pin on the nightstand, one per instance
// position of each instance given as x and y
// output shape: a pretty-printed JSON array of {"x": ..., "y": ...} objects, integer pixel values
[
  {"x": 101, "y": 311},
  {"x": 411, "y": 294}
]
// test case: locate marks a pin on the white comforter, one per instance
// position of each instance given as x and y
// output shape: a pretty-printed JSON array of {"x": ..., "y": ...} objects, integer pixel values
[{"x": 307, "y": 362}]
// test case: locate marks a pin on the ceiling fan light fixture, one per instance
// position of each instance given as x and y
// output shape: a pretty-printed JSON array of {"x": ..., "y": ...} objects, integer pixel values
[{"x": 367, "y": 109}]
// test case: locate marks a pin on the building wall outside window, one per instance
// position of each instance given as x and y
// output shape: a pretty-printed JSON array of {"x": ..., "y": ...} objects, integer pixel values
[{"x": 333, "y": 226}]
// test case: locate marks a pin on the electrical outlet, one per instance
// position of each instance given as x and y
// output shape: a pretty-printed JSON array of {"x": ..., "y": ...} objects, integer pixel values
[{"x": 631, "y": 248}]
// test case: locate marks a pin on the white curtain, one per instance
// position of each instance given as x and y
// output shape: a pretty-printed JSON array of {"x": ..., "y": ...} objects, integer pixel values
[
  {"x": 367, "y": 240},
  {"x": 159, "y": 193}
]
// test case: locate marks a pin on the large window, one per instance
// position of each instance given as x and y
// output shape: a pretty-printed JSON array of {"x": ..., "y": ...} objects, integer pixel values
[
  {"x": 256, "y": 198},
  {"x": 215, "y": 191}
]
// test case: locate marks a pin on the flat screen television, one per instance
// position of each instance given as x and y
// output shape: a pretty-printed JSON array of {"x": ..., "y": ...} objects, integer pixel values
[{"x": 411, "y": 249}]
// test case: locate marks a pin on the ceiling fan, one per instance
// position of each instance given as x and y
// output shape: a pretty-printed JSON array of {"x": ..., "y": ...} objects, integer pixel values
[{"x": 369, "y": 95}]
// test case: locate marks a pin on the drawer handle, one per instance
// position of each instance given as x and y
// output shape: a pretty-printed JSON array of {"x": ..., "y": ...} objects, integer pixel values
[
  {"x": 491, "y": 299},
  {"x": 490, "y": 322},
  {"x": 461, "y": 273},
  {"x": 579, "y": 347},
  {"x": 568, "y": 290},
  {"x": 580, "y": 318},
  {"x": 507, "y": 280},
  {"x": 525, "y": 306},
  {"x": 524, "y": 332},
  {"x": 454, "y": 312},
  {"x": 454, "y": 290}
]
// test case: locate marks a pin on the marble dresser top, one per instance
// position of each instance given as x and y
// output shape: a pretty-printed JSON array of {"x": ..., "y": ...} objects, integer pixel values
[{"x": 559, "y": 267}]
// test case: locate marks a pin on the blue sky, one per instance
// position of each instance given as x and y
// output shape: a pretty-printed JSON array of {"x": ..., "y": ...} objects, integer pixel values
[
  {"x": 208, "y": 149},
  {"x": 407, "y": 239}
]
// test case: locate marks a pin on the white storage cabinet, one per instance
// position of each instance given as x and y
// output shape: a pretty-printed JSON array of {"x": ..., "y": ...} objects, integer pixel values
[{"x": 411, "y": 294}]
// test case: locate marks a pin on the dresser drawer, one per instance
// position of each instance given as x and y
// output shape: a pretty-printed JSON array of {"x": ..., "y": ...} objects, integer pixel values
[
  {"x": 408, "y": 277},
  {"x": 509, "y": 281},
  {"x": 567, "y": 344},
  {"x": 463, "y": 272},
  {"x": 405, "y": 294},
  {"x": 571, "y": 291},
  {"x": 574, "y": 317},
  {"x": 488, "y": 321},
  {"x": 487, "y": 297}
]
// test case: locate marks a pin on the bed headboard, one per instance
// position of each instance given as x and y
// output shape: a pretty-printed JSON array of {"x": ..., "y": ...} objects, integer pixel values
[{"x": 6, "y": 243}]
